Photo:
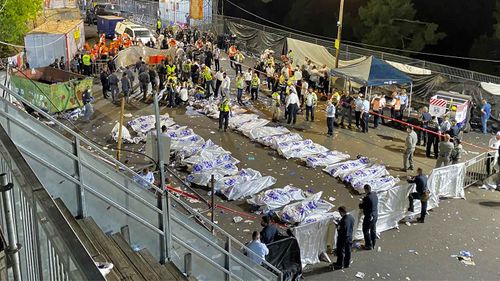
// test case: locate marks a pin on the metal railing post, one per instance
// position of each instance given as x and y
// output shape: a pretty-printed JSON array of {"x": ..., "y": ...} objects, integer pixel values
[
  {"x": 212, "y": 205},
  {"x": 81, "y": 205},
  {"x": 13, "y": 247},
  {"x": 228, "y": 258}
]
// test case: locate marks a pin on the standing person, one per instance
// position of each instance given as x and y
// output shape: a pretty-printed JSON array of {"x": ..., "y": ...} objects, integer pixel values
[
  {"x": 432, "y": 138},
  {"x": 87, "y": 64},
  {"x": 258, "y": 250},
  {"x": 144, "y": 81},
  {"x": 410, "y": 144},
  {"x": 87, "y": 105},
  {"x": 378, "y": 104},
  {"x": 424, "y": 119},
  {"x": 153, "y": 78},
  {"x": 358, "y": 107},
  {"x": 330, "y": 117},
  {"x": 269, "y": 232},
  {"x": 369, "y": 205},
  {"x": 217, "y": 58},
  {"x": 248, "y": 79},
  {"x": 219, "y": 76},
  {"x": 226, "y": 85},
  {"x": 270, "y": 77},
  {"x": 422, "y": 194},
  {"x": 344, "y": 239},
  {"x": 304, "y": 88},
  {"x": 224, "y": 112},
  {"x": 158, "y": 26},
  {"x": 162, "y": 75},
  {"x": 365, "y": 115},
  {"x": 254, "y": 86},
  {"x": 275, "y": 106},
  {"x": 131, "y": 77},
  {"x": 240, "y": 85},
  {"x": 238, "y": 60},
  {"x": 445, "y": 149},
  {"x": 138, "y": 64},
  {"x": 311, "y": 102},
  {"x": 207, "y": 76},
  {"x": 485, "y": 115},
  {"x": 125, "y": 81},
  {"x": 105, "y": 83},
  {"x": 113, "y": 86},
  {"x": 403, "y": 98},
  {"x": 292, "y": 107},
  {"x": 346, "y": 107},
  {"x": 456, "y": 153}
]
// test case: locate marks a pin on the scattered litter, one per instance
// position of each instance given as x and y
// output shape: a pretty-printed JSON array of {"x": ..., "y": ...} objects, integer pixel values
[
  {"x": 466, "y": 258},
  {"x": 237, "y": 219},
  {"x": 360, "y": 275},
  {"x": 246, "y": 230},
  {"x": 407, "y": 278},
  {"x": 324, "y": 257},
  {"x": 128, "y": 115},
  {"x": 248, "y": 221},
  {"x": 408, "y": 223},
  {"x": 212, "y": 132},
  {"x": 331, "y": 198},
  {"x": 379, "y": 249},
  {"x": 251, "y": 158},
  {"x": 480, "y": 250}
]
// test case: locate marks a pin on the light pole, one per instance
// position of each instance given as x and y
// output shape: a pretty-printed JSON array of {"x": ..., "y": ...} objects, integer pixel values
[{"x": 339, "y": 33}]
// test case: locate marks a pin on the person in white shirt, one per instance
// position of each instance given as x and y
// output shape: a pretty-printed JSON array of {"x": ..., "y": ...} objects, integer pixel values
[
  {"x": 258, "y": 250},
  {"x": 311, "y": 101},
  {"x": 378, "y": 104},
  {"x": 330, "y": 117},
  {"x": 270, "y": 77},
  {"x": 358, "y": 107},
  {"x": 217, "y": 58},
  {"x": 445, "y": 125},
  {"x": 218, "y": 81},
  {"x": 226, "y": 85},
  {"x": 292, "y": 106},
  {"x": 248, "y": 79},
  {"x": 183, "y": 93},
  {"x": 304, "y": 88},
  {"x": 146, "y": 178},
  {"x": 365, "y": 115}
]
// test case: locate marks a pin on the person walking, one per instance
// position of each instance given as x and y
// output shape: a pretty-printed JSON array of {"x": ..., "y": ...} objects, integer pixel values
[
  {"x": 275, "y": 106},
  {"x": 432, "y": 138},
  {"x": 258, "y": 250},
  {"x": 226, "y": 85},
  {"x": 311, "y": 101},
  {"x": 378, "y": 104},
  {"x": 125, "y": 81},
  {"x": 254, "y": 86},
  {"x": 369, "y": 205},
  {"x": 330, "y": 117},
  {"x": 422, "y": 194},
  {"x": 105, "y": 83},
  {"x": 219, "y": 76},
  {"x": 113, "y": 86},
  {"x": 224, "y": 112},
  {"x": 445, "y": 149},
  {"x": 292, "y": 107},
  {"x": 144, "y": 81},
  {"x": 240, "y": 86},
  {"x": 410, "y": 144},
  {"x": 485, "y": 115},
  {"x": 87, "y": 105},
  {"x": 344, "y": 239}
]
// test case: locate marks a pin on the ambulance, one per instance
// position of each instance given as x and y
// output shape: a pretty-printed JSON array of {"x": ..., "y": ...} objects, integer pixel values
[{"x": 453, "y": 104}]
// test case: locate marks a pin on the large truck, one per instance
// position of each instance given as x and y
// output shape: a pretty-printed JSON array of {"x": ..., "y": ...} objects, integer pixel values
[{"x": 107, "y": 25}]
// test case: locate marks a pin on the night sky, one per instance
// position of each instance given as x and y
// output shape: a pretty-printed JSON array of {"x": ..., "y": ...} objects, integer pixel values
[{"x": 463, "y": 21}]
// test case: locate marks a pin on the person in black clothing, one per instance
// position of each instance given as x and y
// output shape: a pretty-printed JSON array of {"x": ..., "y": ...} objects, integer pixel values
[
  {"x": 432, "y": 138},
  {"x": 344, "y": 239},
  {"x": 105, "y": 83},
  {"x": 370, "y": 210},
  {"x": 269, "y": 231},
  {"x": 422, "y": 194},
  {"x": 162, "y": 74},
  {"x": 424, "y": 120}
]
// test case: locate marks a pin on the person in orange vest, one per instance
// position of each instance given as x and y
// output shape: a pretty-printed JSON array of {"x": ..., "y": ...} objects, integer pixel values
[
  {"x": 86, "y": 47},
  {"x": 378, "y": 104},
  {"x": 232, "y": 54},
  {"x": 104, "y": 52}
]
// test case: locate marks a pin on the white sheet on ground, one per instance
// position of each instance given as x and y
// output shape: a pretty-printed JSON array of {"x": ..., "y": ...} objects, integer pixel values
[
  {"x": 273, "y": 141},
  {"x": 277, "y": 197},
  {"x": 144, "y": 124},
  {"x": 299, "y": 149},
  {"x": 242, "y": 176},
  {"x": 359, "y": 177},
  {"x": 201, "y": 172},
  {"x": 299, "y": 211},
  {"x": 240, "y": 119},
  {"x": 261, "y": 132},
  {"x": 126, "y": 137},
  {"x": 344, "y": 168},
  {"x": 326, "y": 158},
  {"x": 247, "y": 127},
  {"x": 249, "y": 188}
]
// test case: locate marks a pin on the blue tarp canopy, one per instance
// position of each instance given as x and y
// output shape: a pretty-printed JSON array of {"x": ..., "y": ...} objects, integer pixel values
[{"x": 373, "y": 72}]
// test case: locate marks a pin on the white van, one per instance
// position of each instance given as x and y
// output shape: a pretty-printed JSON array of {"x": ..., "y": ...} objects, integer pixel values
[{"x": 135, "y": 31}]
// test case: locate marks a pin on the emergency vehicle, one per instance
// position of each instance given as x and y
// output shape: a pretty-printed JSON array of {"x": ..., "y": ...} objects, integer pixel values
[{"x": 453, "y": 104}]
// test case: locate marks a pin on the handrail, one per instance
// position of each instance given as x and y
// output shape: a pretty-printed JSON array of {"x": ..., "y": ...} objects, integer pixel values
[
  {"x": 114, "y": 161},
  {"x": 29, "y": 184}
]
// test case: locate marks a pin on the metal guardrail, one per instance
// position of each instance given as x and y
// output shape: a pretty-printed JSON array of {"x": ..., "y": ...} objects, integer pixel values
[
  {"x": 349, "y": 52},
  {"x": 72, "y": 172},
  {"x": 479, "y": 168},
  {"x": 48, "y": 248}
]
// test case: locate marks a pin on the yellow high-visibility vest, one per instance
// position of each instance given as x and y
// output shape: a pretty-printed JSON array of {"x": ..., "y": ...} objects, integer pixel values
[
  {"x": 224, "y": 106},
  {"x": 86, "y": 60}
]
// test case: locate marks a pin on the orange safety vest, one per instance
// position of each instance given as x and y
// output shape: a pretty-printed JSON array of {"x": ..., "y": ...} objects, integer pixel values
[
  {"x": 397, "y": 105},
  {"x": 86, "y": 46},
  {"x": 376, "y": 104},
  {"x": 232, "y": 51}
]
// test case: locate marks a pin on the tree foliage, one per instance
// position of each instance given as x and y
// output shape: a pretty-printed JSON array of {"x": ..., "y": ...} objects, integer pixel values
[
  {"x": 16, "y": 19},
  {"x": 391, "y": 23}
]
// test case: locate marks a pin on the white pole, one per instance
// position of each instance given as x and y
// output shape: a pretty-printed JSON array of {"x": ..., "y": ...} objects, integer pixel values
[{"x": 409, "y": 102}]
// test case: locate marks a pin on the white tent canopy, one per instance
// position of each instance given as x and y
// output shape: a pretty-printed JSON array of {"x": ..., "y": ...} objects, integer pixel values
[{"x": 491, "y": 88}]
